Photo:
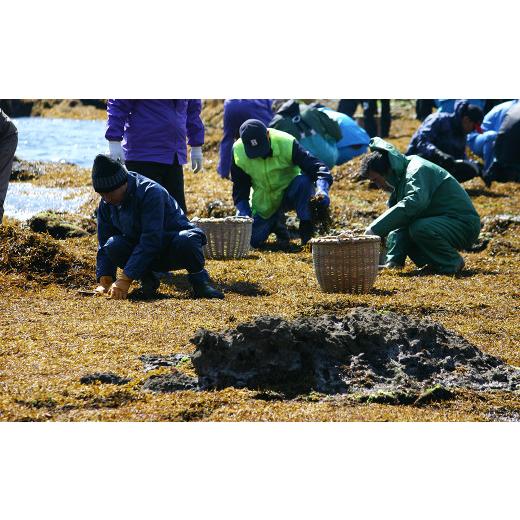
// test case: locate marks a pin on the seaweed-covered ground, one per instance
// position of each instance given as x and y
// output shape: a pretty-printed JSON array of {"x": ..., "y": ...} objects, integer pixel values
[{"x": 65, "y": 356}]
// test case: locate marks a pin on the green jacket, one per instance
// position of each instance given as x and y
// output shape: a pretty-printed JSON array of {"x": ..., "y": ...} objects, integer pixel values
[
  {"x": 422, "y": 190},
  {"x": 271, "y": 176}
]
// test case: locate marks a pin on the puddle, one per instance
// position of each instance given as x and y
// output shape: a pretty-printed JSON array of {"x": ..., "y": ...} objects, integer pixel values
[
  {"x": 60, "y": 140},
  {"x": 24, "y": 200}
]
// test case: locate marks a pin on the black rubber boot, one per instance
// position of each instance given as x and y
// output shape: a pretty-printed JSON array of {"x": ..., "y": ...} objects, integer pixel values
[
  {"x": 281, "y": 232},
  {"x": 149, "y": 285},
  {"x": 205, "y": 290},
  {"x": 306, "y": 231}
]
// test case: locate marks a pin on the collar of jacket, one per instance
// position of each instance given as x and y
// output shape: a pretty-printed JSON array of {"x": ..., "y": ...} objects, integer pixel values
[{"x": 130, "y": 188}]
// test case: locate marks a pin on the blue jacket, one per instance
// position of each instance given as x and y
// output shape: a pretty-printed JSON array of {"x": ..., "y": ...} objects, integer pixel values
[
  {"x": 148, "y": 216},
  {"x": 494, "y": 118},
  {"x": 236, "y": 111},
  {"x": 155, "y": 130},
  {"x": 440, "y": 131},
  {"x": 484, "y": 144}
]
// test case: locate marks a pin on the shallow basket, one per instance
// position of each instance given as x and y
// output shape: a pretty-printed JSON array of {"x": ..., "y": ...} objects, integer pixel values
[
  {"x": 346, "y": 263},
  {"x": 228, "y": 238}
]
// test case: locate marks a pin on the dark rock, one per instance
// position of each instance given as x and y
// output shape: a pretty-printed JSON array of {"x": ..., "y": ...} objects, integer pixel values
[
  {"x": 364, "y": 352},
  {"x": 56, "y": 224},
  {"x": 26, "y": 170},
  {"x": 171, "y": 382},
  {"x": 103, "y": 377},
  {"x": 17, "y": 107}
]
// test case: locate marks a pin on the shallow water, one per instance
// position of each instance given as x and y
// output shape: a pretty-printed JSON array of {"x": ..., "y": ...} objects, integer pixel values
[
  {"x": 60, "y": 140},
  {"x": 24, "y": 200}
]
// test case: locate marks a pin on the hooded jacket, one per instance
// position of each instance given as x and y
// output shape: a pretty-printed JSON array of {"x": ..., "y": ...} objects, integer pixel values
[
  {"x": 441, "y": 131},
  {"x": 421, "y": 190}
]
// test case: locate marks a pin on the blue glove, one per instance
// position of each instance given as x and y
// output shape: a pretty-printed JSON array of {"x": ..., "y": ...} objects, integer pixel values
[
  {"x": 243, "y": 208},
  {"x": 322, "y": 192}
]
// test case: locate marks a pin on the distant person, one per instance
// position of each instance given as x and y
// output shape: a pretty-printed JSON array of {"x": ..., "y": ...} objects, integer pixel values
[
  {"x": 448, "y": 105},
  {"x": 349, "y": 107},
  {"x": 354, "y": 139},
  {"x": 442, "y": 139},
  {"x": 236, "y": 111},
  {"x": 282, "y": 176},
  {"x": 149, "y": 136},
  {"x": 430, "y": 216},
  {"x": 499, "y": 144},
  {"x": 8, "y": 144},
  {"x": 142, "y": 230},
  {"x": 423, "y": 108}
]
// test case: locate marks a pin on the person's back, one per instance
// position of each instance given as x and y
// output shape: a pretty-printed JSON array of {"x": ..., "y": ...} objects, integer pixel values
[
  {"x": 146, "y": 199},
  {"x": 494, "y": 118},
  {"x": 435, "y": 191},
  {"x": 447, "y": 196},
  {"x": 443, "y": 131}
]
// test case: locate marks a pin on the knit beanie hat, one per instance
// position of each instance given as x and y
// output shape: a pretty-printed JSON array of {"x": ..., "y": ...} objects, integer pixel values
[{"x": 107, "y": 174}]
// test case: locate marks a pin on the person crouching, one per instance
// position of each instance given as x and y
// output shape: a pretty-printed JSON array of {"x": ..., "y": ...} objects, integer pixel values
[
  {"x": 430, "y": 216},
  {"x": 141, "y": 229}
]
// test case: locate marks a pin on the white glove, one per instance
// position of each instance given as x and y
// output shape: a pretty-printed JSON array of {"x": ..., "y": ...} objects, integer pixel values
[
  {"x": 196, "y": 158},
  {"x": 116, "y": 151}
]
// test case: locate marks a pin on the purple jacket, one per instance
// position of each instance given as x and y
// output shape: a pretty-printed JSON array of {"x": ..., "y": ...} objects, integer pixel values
[
  {"x": 155, "y": 129},
  {"x": 236, "y": 111}
]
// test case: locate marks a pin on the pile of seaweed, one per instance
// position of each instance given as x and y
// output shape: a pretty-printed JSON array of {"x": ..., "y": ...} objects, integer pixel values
[
  {"x": 365, "y": 352},
  {"x": 61, "y": 225},
  {"x": 41, "y": 258}
]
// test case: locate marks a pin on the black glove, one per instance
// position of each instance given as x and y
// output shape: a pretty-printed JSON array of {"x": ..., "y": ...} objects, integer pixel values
[{"x": 444, "y": 159}]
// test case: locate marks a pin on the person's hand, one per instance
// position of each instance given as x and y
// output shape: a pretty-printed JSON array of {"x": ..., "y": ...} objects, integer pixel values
[
  {"x": 322, "y": 198},
  {"x": 119, "y": 289},
  {"x": 322, "y": 192},
  {"x": 196, "y": 158},
  {"x": 116, "y": 151},
  {"x": 104, "y": 285},
  {"x": 445, "y": 159}
]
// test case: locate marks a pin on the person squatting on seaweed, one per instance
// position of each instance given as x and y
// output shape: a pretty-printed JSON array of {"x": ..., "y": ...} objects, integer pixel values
[
  {"x": 499, "y": 144},
  {"x": 8, "y": 144},
  {"x": 283, "y": 177},
  {"x": 442, "y": 139},
  {"x": 149, "y": 136},
  {"x": 430, "y": 216},
  {"x": 141, "y": 229}
]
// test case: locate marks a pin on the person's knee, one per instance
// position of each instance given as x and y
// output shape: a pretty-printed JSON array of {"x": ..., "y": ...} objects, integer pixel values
[
  {"x": 118, "y": 249},
  {"x": 189, "y": 240},
  {"x": 420, "y": 231}
]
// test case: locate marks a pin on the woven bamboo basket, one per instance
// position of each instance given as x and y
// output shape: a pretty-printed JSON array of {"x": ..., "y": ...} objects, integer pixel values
[
  {"x": 346, "y": 263},
  {"x": 228, "y": 238}
]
